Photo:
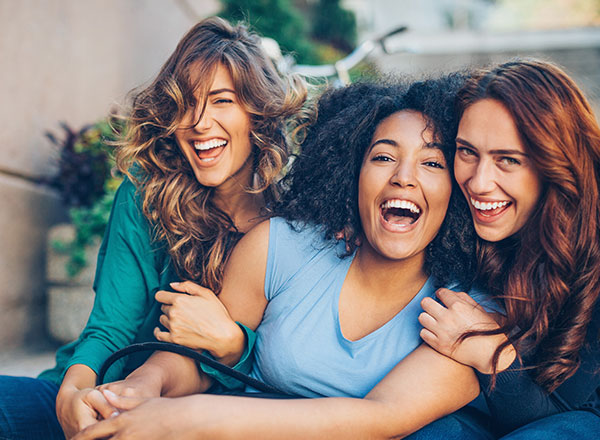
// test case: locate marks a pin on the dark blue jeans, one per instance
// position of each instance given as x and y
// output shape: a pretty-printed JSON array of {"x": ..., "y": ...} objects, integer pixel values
[
  {"x": 467, "y": 424},
  {"x": 577, "y": 425},
  {"x": 27, "y": 409}
]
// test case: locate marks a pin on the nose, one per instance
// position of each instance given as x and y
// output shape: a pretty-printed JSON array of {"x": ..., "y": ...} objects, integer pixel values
[
  {"x": 482, "y": 179},
  {"x": 203, "y": 120},
  {"x": 404, "y": 175}
]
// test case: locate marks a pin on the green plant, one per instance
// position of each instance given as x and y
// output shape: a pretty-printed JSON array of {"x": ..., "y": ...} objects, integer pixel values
[
  {"x": 87, "y": 186},
  {"x": 277, "y": 19}
]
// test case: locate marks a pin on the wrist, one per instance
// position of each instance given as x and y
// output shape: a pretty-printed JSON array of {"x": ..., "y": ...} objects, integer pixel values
[
  {"x": 231, "y": 346},
  {"x": 506, "y": 358}
]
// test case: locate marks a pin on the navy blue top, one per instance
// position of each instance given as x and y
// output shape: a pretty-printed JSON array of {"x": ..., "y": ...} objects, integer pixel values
[{"x": 518, "y": 400}]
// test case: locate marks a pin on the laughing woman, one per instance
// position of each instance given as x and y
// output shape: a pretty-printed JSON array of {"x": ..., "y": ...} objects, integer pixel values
[
  {"x": 336, "y": 318},
  {"x": 528, "y": 162},
  {"x": 205, "y": 142}
]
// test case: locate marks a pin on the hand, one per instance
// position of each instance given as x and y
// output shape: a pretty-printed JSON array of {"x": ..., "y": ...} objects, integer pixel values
[
  {"x": 443, "y": 326},
  {"x": 142, "y": 419},
  {"x": 135, "y": 385},
  {"x": 199, "y": 321},
  {"x": 76, "y": 409}
]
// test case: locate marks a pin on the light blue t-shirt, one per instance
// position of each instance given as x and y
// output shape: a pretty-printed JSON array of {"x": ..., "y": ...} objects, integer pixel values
[{"x": 300, "y": 348}]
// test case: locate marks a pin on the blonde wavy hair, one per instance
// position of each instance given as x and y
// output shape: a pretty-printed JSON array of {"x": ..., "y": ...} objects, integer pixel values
[{"x": 198, "y": 234}]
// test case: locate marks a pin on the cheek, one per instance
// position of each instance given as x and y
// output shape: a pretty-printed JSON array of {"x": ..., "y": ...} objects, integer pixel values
[
  {"x": 462, "y": 171},
  {"x": 440, "y": 199}
]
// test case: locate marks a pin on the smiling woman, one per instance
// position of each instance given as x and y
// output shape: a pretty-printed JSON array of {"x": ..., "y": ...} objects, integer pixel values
[
  {"x": 215, "y": 137},
  {"x": 205, "y": 141},
  {"x": 336, "y": 317},
  {"x": 528, "y": 161},
  {"x": 494, "y": 171}
]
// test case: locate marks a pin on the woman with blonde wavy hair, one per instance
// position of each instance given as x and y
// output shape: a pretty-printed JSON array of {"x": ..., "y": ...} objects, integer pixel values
[{"x": 205, "y": 142}]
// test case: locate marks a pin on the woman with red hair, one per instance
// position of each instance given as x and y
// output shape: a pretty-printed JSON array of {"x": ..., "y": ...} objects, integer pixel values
[{"x": 528, "y": 162}]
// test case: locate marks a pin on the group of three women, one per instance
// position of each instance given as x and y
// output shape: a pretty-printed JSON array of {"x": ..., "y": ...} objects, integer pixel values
[{"x": 332, "y": 288}]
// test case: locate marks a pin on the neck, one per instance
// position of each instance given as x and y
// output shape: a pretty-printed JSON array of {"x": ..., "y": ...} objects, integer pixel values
[
  {"x": 234, "y": 199},
  {"x": 385, "y": 277}
]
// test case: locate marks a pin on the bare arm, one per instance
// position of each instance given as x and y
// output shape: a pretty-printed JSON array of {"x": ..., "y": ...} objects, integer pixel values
[
  {"x": 169, "y": 374},
  {"x": 420, "y": 389}
]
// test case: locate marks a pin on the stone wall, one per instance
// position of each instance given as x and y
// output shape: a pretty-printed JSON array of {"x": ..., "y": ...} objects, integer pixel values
[{"x": 63, "y": 60}]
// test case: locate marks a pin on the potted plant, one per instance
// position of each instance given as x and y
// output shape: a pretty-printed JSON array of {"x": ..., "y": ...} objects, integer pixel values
[{"x": 87, "y": 184}]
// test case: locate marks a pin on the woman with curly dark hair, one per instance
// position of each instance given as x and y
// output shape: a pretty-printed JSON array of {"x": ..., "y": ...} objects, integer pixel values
[
  {"x": 205, "y": 142},
  {"x": 528, "y": 162},
  {"x": 337, "y": 317}
]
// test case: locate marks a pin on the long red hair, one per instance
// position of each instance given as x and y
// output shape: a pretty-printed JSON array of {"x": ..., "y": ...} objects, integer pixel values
[{"x": 548, "y": 274}]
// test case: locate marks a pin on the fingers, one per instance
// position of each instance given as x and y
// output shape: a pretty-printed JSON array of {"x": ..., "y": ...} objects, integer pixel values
[
  {"x": 121, "y": 402},
  {"x": 433, "y": 307},
  {"x": 450, "y": 297},
  {"x": 120, "y": 387},
  {"x": 165, "y": 321},
  {"x": 192, "y": 289},
  {"x": 162, "y": 336},
  {"x": 166, "y": 309},
  {"x": 430, "y": 338},
  {"x": 428, "y": 321},
  {"x": 96, "y": 400},
  {"x": 162, "y": 296},
  {"x": 100, "y": 430}
]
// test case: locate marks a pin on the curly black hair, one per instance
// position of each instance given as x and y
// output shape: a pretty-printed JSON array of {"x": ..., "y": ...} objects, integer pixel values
[{"x": 322, "y": 186}]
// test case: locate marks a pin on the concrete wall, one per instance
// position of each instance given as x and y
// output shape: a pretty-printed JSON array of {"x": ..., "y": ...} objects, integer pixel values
[
  {"x": 63, "y": 60},
  {"x": 576, "y": 50}
]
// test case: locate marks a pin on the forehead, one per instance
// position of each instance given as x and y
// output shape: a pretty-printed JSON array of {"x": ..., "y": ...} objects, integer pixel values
[
  {"x": 405, "y": 127},
  {"x": 488, "y": 124},
  {"x": 221, "y": 77}
]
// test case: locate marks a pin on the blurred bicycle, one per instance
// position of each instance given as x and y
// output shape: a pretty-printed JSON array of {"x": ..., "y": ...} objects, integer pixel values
[{"x": 339, "y": 72}]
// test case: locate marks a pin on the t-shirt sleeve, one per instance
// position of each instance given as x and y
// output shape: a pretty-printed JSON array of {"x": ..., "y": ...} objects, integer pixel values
[{"x": 127, "y": 277}]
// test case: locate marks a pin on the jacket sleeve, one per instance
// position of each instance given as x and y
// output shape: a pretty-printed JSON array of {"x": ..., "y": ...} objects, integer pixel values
[{"x": 127, "y": 277}]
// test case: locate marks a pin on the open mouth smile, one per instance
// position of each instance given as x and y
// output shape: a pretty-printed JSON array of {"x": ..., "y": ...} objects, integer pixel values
[
  {"x": 399, "y": 214},
  {"x": 489, "y": 210},
  {"x": 208, "y": 151}
]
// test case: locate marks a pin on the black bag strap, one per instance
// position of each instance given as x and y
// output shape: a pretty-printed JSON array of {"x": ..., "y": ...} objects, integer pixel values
[{"x": 185, "y": 351}]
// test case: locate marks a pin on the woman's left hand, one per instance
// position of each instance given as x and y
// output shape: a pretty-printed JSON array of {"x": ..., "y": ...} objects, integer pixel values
[
  {"x": 199, "y": 321},
  {"x": 443, "y": 326},
  {"x": 141, "y": 419}
]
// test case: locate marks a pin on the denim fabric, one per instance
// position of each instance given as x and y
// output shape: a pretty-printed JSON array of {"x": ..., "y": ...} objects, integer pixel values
[
  {"x": 579, "y": 425},
  {"x": 470, "y": 424},
  {"x": 466, "y": 423},
  {"x": 27, "y": 409}
]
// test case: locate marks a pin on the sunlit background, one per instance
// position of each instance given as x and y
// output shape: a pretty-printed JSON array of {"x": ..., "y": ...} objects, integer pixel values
[{"x": 72, "y": 62}]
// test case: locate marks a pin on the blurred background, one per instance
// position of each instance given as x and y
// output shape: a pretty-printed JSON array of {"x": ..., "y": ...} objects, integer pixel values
[{"x": 66, "y": 64}]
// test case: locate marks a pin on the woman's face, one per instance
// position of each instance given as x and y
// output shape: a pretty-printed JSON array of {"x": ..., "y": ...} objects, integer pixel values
[
  {"x": 404, "y": 187},
  {"x": 494, "y": 171},
  {"x": 217, "y": 143}
]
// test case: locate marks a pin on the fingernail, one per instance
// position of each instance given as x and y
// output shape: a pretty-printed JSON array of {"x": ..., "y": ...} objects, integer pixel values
[
  {"x": 115, "y": 414},
  {"x": 109, "y": 393},
  {"x": 174, "y": 284}
]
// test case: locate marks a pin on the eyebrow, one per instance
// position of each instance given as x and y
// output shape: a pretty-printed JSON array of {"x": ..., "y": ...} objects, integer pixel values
[
  {"x": 496, "y": 151},
  {"x": 393, "y": 143},
  {"x": 217, "y": 91}
]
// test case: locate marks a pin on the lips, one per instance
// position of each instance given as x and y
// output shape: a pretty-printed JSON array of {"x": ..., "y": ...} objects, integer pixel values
[
  {"x": 488, "y": 211},
  {"x": 399, "y": 212},
  {"x": 208, "y": 150}
]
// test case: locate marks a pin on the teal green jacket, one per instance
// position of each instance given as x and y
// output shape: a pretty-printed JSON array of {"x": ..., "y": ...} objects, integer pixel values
[{"x": 131, "y": 268}]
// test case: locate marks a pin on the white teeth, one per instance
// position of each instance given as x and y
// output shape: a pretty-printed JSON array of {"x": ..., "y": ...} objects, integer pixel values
[
  {"x": 213, "y": 143},
  {"x": 486, "y": 206},
  {"x": 402, "y": 204}
]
